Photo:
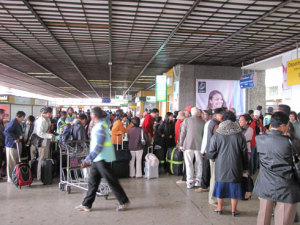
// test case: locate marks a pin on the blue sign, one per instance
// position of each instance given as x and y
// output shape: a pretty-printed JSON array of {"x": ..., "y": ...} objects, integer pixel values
[
  {"x": 106, "y": 100},
  {"x": 247, "y": 80}
]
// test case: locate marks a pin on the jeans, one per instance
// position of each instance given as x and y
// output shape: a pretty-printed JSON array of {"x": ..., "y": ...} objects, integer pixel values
[
  {"x": 254, "y": 161},
  {"x": 136, "y": 163},
  {"x": 205, "y": 179},
  {"x": 102, "y": 169}
]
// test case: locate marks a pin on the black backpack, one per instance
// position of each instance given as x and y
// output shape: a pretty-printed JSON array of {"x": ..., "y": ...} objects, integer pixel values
[
  {"x": 257, "y": 130},
  {"x": 67, "y": 133}
]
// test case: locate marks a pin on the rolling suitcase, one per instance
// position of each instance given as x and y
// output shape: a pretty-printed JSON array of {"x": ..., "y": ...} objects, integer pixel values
[
  {"x": 120, "y": 167},
  {"x": 151, "y": 166},
  {"x": 34, "y": 166},
  {"x": 159, "y": 152},
  {"x": 175, "y": 161},
  {"x": 21, "y": 174},
  {"x": 47, "y": 171}
]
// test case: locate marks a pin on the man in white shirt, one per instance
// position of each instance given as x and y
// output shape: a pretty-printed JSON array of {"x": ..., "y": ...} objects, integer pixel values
[{"x": 41, "y": 129}]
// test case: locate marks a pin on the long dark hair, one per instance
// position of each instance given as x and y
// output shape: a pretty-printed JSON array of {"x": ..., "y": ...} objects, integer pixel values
[
  {"x": 168, "y": 114},
  {"x": 248, "y": 118},
  {"x": 211, "y": 95}
]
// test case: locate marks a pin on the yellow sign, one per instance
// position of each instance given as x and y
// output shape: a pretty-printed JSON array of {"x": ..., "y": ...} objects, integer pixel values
[
  {"x": 293, "y": 72},
  {"x": 132, "y": 106}
]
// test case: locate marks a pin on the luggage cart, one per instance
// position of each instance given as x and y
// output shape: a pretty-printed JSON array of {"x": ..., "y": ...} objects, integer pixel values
[{"x": 72, "y": 153}]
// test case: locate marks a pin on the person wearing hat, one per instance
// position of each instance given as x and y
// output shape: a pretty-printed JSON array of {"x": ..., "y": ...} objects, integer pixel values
[
  {"x": 187, "y": 111},
  {"x": 101, "y": 155},
  {"x": 257, "y": 126}
]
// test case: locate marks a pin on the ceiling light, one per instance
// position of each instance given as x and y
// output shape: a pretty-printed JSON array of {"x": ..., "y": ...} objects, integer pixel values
[{"x": 32, "y": 73}]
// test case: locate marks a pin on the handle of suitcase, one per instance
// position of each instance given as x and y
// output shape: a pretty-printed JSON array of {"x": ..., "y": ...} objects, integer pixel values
[
  {"x": 18, "y": 150},
  {"x": 118, "y": 141},
  {"x": 150, "y": 147}
]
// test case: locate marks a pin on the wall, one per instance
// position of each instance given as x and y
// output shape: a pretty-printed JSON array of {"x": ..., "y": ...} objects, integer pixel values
[{"x": 187, "y": 75}]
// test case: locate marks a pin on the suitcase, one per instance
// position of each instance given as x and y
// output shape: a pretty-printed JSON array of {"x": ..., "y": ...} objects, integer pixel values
[
  {"x": 159, "y": 152},
  {"x": 175, "y": 161},
  {"x": 150, "y": 171},
  {"x": 120, "y": 167},
  {"x": 21, "y": 174},
  {"x": 34, "y": 166},
  {"x": 47, "y": 171}
]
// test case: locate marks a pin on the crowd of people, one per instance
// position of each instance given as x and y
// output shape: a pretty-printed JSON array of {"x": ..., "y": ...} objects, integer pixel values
[{"x": 222, "y": 151}]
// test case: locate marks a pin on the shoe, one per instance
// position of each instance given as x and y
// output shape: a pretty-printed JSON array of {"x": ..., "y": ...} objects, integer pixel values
[
  {"x": 190, "y": 185},
  {"x": 122, "y": 207},
  {"x": 180, "y": 182},
  {"x": 234, "y": 214},
  {"x": 219, "y": 212},
  {"x": 200, "y": 190},
  {"x": 83, "y": 208},
  {"x": 197, "y": 183}
]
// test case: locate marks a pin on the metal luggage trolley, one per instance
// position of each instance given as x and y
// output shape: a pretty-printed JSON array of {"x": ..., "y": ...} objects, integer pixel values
[{"x": 72, "y": 153}]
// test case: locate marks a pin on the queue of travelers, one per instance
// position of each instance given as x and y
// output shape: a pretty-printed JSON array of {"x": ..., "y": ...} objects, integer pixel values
[{"x": 222, "y": 152}]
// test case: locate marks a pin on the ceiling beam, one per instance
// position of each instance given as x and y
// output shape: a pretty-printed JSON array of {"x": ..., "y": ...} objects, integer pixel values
[
  {"x": 110, "y": 43},
  {"x": 164, "y": 43},
  {"x": 24, "y": 74},
  {"x": 241, "y": 30},
  {"x": 42, "y": 67},
  {"x": 59, "y": 45}
]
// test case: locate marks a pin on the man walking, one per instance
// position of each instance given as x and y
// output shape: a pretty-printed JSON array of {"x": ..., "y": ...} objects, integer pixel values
[{"x": 101, "y": 155}]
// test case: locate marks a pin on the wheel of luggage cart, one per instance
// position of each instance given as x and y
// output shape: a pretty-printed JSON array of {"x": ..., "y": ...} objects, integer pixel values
[
  {"x": 69, "y": 189},
  {"x": 61, "y": 187}
]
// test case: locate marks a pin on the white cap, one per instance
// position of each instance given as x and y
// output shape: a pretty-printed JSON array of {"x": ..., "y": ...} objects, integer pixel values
[{"x": 256, "y": 113}]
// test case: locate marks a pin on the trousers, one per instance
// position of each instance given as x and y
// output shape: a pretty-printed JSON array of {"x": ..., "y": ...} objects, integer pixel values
[
  {"x": 212, "y": 199},
  {"x": 193, "y": 168},
  {"x": 205, "y": 179},
  {"x": 12, "y": 159},
  {"x": 44, "y": 153},
  {"x": 284, "y": 213},
  {"x": 136, "y": 163},
  {"x": 102, "y": 169}
]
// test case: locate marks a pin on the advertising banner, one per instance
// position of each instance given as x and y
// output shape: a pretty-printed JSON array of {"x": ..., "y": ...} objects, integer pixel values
[
  {"x": 161, "y": 88},
  {"x": 220, "y": 93},
  {"x": 293, "y": 72}
]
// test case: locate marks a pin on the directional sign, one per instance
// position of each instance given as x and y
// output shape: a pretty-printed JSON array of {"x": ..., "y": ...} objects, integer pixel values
[{"x": 161, "y": 88}]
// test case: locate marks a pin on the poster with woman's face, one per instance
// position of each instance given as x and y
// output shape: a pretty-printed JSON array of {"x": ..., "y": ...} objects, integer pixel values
[{"x": 220, "y": 93}]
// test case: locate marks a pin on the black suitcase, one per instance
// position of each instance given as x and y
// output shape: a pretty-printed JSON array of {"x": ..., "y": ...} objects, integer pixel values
[
  {"x": 160, "y": 154},
  {"x": 175, "y": 161},
  {"x": 34, "y": 166},
  {"x": 120, "y": 167},
  {"x": 47, "y": 171}
]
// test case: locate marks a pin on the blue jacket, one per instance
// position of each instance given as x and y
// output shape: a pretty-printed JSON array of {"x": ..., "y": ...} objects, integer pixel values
[{"x": 12, "y": 132}]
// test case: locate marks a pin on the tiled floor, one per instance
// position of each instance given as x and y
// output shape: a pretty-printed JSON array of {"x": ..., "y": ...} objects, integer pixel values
[{"x": 158, "y": 201}]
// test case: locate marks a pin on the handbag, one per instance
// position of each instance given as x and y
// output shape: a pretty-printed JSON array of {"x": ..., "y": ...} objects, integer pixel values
[
  {"x": 143, "y": 141},
  {"x": 296, "y": 162}
]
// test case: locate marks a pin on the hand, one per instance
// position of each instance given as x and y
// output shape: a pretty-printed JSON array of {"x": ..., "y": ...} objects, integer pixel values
[
  {"x": 17, "y": 141},
  {"x": 84, "y": 164},
  {"x": 181, "y": 149},
  {"x": 203, "y": 155},
  {"x": 162, "y": 135},
  {"x": 245, "y": 174},
  {"x": 170, "y": 136}
]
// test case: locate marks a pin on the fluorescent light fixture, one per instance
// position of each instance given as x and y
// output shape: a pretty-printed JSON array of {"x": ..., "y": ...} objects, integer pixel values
[
  {"x": 46, "y": 77},
  {"x": 32, "y": 73}
]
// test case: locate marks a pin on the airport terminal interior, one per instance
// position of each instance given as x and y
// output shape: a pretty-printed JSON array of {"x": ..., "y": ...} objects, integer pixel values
[{"x": 158, "y": 112}]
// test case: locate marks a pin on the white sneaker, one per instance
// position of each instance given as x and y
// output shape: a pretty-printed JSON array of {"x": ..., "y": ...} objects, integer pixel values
[
  {"x": 83, "y": 208},
  {"x": 122, "y": 207},
  {"x": 190, "y": 185},
  {"x": 197, "y": 183}
]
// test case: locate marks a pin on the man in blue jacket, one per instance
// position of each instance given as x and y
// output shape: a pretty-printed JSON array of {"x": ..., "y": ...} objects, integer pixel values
[
  {"x": 101, "y": 155},
  {"x": 12, "y": 133}
]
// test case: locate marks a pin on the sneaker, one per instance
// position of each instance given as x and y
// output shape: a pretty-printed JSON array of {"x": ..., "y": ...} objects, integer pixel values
[
  {"x": 180, "y": 182},
  {"x": 200, "y": 190},
  {"x": 190, "y": 185},
  {"x": 83, "y": 208},
  {"x": 122, "y": 207},
  {"x": 197, "y": 183}
]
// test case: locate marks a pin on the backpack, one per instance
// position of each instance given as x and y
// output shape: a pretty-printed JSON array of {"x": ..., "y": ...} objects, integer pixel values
[{"x": 67, "y": 133}]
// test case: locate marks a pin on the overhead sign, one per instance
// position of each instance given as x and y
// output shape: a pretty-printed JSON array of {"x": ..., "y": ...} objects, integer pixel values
[
  {"x": 293, "y": 72},
  {"x": 22, "y": 101},
  {"x": 161, "y": 88},
  {"x": 132, "y": 106},
  {"x": 248, "y": 80},
  {"x": 150, "y": 99},
  {"x": 106, "y": 100},
  {"x": 40, "y": 102},
  {"x": 4, "y": 98},
  {"x": 124, "y": 105},
  {"x": 128, "y": 97},
  {"x": 119, "y": 97}
]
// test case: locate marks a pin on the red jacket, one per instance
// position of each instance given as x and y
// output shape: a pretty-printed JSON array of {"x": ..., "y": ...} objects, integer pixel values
[
  {"x": 253, "y": 125},
  {"x": 177, "y": 129},
  {"x": 148, "y": 124}
]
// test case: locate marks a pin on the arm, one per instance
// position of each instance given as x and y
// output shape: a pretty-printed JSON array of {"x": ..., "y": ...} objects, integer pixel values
[
  {"x": 100, "y": 139},
  {"x": 212, "y": 152},
  {"x": 128, "y": 128},
  {"x": 204, "y": 140},
  {"x": 183, "y": 131},
  {"x": 244, "y": 150},
  {"x": 118, "y": 128}
]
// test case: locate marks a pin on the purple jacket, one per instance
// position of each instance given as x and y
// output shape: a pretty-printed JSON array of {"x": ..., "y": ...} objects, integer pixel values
[{"x": 134, "y": 139}]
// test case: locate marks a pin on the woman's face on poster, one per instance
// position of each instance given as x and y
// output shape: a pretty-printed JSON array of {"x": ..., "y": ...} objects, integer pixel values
[{"x": 216, "y": 101}]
